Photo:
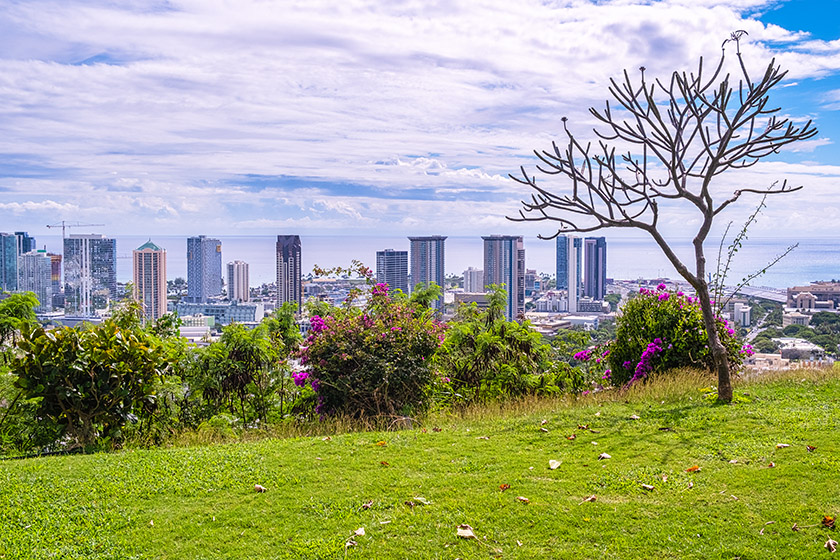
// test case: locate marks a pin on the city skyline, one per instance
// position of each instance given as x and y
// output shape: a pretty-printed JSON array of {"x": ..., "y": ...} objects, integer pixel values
[{"x": 176, "y": 114}]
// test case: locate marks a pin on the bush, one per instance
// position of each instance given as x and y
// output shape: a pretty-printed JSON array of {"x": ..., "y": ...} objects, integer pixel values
[
  {"x": 660, "y": 330},
  {"x": 371, "y": 361}
]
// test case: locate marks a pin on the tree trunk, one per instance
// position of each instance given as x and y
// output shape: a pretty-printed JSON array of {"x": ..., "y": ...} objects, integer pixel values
[{"x": 720, "y": 361}]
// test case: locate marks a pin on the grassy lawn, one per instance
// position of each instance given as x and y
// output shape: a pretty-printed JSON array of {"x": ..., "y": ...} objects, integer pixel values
[{"x": 411, "y": 489}]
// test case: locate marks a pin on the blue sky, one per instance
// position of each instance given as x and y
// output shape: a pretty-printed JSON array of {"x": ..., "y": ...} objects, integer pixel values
[{"x": 163, "y": 117}]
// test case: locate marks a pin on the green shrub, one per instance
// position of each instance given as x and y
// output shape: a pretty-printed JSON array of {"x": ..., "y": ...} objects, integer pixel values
[
  {"x": 371, "y": 361},
  {"x": 660, "y": 330}
]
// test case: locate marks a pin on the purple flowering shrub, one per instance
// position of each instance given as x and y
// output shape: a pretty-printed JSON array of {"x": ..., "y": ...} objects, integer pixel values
[
  {"x": 660, "y": 330},
  {"x": 372, "y": 361}
]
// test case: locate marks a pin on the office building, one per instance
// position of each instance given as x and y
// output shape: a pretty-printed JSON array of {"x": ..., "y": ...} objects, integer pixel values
[
  {"x": 238, "y": 288},
  {"x": 150, "y": 280},
  {"x": 569, "y": 257},
  {"x": 8, "y": 262},
  {"x": 35, "y": 275},
  {"x": 55, "y": 266},
  {"x": 224, "y": 312},
  {"x": 473, "y": 281},
  {"x": 427, "y": 263},
  {"x": 392, "y": 269},
  {"x": 90, "y": 273},
  {"x": 595, "y": 268},
  {"x": 504, "y": 265},
  {"x": 289, "y": 270},
  {"x": 25, "y": 243},
  {"x": 204, "y": 269}
]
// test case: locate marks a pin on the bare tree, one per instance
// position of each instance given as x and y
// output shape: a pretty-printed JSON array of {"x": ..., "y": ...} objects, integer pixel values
[{"x": 703, "y": 127}]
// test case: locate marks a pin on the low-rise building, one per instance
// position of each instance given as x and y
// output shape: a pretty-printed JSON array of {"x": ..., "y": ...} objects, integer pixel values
[{"x": 225, "y": 312}]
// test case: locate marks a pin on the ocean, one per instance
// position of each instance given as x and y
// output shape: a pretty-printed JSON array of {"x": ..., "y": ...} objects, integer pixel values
[{"x": 627, "y": 258}]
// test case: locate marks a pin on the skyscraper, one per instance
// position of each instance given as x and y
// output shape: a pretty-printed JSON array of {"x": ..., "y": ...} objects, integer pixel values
[
  {"x": 58, "y": 297},
  {"x": 569, "y": 257},
  {"x": 35, "y": 275},
  {"x": 504, "y": 265},
  {"x": 289, "y": 270},
  {"x": 427, "y": 263},
  {"x": 8, "y": 262},
  {"x": 238, "y": 288},
  {"x": 150, "y": 280},
  {"x": 25, "y": 243},
  {"x": 595, "y": 269},
  {"x": 204, "y": 269},
  {"x": 90, "y": 273},
  {"x": 392, "y": 269}
]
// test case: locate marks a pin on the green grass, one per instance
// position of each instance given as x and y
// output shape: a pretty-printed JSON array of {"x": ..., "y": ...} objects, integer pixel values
[{"x": 199, "y": 502}]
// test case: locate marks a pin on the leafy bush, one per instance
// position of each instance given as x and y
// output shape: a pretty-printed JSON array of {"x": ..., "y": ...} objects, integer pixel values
[
  {"x": 484, "y": 356},
  {"x": 660, "y": 330},
  {"x": 371, "y": 361}
]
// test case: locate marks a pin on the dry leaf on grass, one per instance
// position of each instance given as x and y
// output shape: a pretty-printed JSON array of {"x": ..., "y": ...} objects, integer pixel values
[
  {"x": 782, "y": 445},
  {"x": 544, "y": 422},
  {"x": 504, "y": 487},
  {"x": 604, "y": 456},
  {"x": 771, "y": 464},
  {"x": 367, "y": 505},
  {"x": 810, "y": 447},
  {"x": 573, "y": 436},
  {"x": 523, "y": 499},
  {"x": 648, "y": 487},
  {"x": 360, "y": 532},
  {"x": 328, "y": 438},
  {"x": 828, "y": 521},
  {"x": 795, "y": 527},
  {"x": 381, "y": 443},
  {"x": 258, "y": 488},
  {"x": 553, "y": 464},
  {"x": 635, "y": 417},
  {"x": 421, "y": 500},
  {"x": 693, "y": 468},
  {"x": 349, "y": 543},
  {"x": 588, "y": 499},
  {"x": 831, "y": 545},
  {"x": 482, "y": 437},
  {"x": 690, "y": 485},
  {"x": 465, "y": 532},
  {"x": 583, "y": 426},
  {"x": 733, "y": 461},
  {"x": 436, "y": 429},
  {"x": 545, "y": 430},
  {"x": 385, "y": 463}
]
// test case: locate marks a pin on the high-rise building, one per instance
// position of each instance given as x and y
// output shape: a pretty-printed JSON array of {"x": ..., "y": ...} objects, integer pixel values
[
  {"x": 25, "y": 243},
  {"x": 55, "y": 264},
  {"x": 595, "y": 269},
  {"x": 90, "y": 273},
  {"x": 8, "y": 262},
  {"x": 569, "y": 257},
  {"x": 238, "y": 288},
  {"x": 150, "y": 280},
  {"x": 35, "y": 275},
  {"x": 473, "y": 280},
  {"x": 504, "y": 265},
  {"x": 427, "y": 263},
  {"x": 392, "y": 269},
  {"x": 204, "y": 269},
  {"x": 289, "y": 270}
]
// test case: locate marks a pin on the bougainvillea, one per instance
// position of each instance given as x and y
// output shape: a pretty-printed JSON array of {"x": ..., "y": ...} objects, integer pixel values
[
  {"x": 374, "y": 360},
  {"x": 660, "y": 330}
]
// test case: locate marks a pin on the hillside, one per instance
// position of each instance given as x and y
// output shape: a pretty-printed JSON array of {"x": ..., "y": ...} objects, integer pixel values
[{"x": 411, "y": 489}]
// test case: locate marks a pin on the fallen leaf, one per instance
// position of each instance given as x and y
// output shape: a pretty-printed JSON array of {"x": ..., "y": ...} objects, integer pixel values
[
  {"x": 328, "y": 438},
  {"x": 523, "y": 499},
  {"x": 421, "y": 500},
  {"x": 769, "y": 522},
  {"x": 583, "y": 426},
  {"x": 733, "y": 461},
  {"x": 385, "y": 463},
  {"x": 409, "y": 503},
  {"x": 594, "y": 431},
  {"x": 690, "y": 485},
  {"x": 465, "y": 532},
  {"x": 436, "y": 429},
  {"x": 360, "y": 532},
  {"x": 648, "y": 487},
  {"x": 381, "y": 443},
  {"x": 367, "y": 505},
  {"x": 831, "y": 545},
  {"x": 258, "y": 488},
  {"x": 782, "y": 445},
  {"x": 518, "y": 543},
  {"x": 771, "y": 464},
  {"x": 734, "y": 497},
  {"x": 544, "y": 430},
  {"x": 385, "y": 522},
  {"x": 604, "y": 456},
  {"x": 573, "y": 436},
  {"x": 664, "y": 478},
  {"x": 544, "y": 422},
  {"x": 594, "y": 443},
  {"x": 795, "y": 527},
  {"x": 504, "y": 487},
  {"x": 810, "y": 447},
  {"x": 318, "y": 459},
  {"x": 598, "y": 413},
  {"x": 693, "y": 468},
  {"x": 349, "y": 543},
  {"x": 635, "y": 417},
  {"x": 828, "y": 521},
  {"x": 666, "y": 429},
  {"x": 588, "y": 499},
  {"x": 151, "y": 523},
  {"x": 482, "y": 437},
  {"x": 553, "y": 464}
]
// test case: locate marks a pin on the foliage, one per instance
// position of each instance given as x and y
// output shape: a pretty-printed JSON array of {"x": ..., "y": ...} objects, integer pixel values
[
  {"x": 375, "y": 360},
  {"x": 16, "y": 311},
  {"x": 660, "y": 330},
  {"x": 90, "y": 382},
  {"x": 613, "y": 299},
  {"x": 283, "y": 329},
  {"x": 484, "y": 356}
]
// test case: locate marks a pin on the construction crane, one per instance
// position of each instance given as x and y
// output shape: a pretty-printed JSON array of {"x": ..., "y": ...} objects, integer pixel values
[{"x": 63, "y": 225}]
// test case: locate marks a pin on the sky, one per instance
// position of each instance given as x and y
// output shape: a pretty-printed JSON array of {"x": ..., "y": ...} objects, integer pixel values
[{"x": 253, "y": 117}]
